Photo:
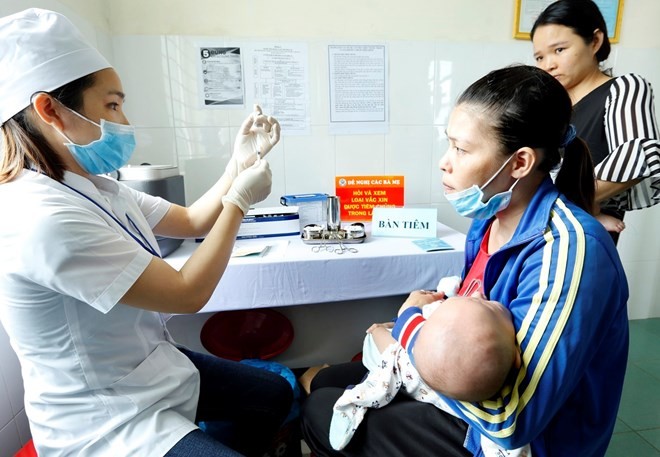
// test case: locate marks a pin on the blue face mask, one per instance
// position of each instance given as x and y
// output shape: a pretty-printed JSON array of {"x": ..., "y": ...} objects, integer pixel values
[
  {"x": 469, "y": 202},
  {"x": 107, "y": 154}
]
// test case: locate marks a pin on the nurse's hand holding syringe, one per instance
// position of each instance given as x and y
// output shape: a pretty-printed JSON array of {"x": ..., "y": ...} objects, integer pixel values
[
  {"x": 256, "y": 137},
  {"x": 251, "y": 186}
]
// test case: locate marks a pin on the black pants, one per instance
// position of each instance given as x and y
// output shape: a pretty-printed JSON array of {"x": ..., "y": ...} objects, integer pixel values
[
  {"x": 253, "y": 401},
  {"x": 404, "y": 428}
]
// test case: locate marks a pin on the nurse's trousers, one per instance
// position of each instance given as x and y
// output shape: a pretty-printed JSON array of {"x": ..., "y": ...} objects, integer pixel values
[{"x": 253, "y": 401}]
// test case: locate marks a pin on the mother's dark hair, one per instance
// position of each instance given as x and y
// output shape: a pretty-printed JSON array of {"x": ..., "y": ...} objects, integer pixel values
[
  {"x": 23, "y": 145},
  {"x": 526, "y": 107},
  {"x": 582, "y": 16}
]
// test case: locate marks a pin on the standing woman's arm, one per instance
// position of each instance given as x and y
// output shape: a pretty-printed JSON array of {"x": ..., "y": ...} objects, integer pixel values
[{"x": 631, "y": 171}]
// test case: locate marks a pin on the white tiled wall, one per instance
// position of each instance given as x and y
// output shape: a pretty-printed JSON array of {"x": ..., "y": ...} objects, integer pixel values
[{"x": 158, "y": 73}]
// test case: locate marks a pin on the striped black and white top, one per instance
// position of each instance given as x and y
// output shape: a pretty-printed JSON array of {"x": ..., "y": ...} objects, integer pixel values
[{"x": 618, "y": 122}]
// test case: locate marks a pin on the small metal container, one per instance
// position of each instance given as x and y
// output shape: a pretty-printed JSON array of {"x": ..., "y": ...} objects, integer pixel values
[
  {"x": 312, "y": 232},
  {"x": 355, "y": 231},
  {"x": 334, "y": 218}
]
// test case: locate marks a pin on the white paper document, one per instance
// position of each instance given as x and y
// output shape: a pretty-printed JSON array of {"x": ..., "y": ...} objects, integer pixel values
[
  {"x": 358, "y": 88},
  {"x": 278, "y": 80}
]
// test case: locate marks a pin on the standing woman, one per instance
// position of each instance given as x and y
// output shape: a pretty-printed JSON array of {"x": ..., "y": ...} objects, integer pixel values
[
  {"x": 534, "y": 247},
  {"x": 82, "y": 284},
  {"x": 614, "y": 115}
]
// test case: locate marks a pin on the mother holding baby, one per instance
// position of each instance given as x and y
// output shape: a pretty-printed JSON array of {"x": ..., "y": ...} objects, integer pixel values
[{"x": 535, "y": 248}]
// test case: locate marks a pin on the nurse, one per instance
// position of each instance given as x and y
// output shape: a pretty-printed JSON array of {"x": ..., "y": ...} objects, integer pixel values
[{"x": 82, "y": 284}]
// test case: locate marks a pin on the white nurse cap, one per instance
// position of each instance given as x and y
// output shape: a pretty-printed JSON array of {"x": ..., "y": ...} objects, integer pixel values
[{"x": 41, "y": 51}]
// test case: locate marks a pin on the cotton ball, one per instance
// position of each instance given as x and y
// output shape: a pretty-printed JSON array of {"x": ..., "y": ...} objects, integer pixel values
[{"x": 449, "y": 285}]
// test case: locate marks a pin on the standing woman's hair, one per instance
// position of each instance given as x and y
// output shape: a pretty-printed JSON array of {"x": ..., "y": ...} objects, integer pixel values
[
  {"x": 526, "y": 107},
  {"x": 23, "y": 145},
  {"x": 583, "y": 16}
]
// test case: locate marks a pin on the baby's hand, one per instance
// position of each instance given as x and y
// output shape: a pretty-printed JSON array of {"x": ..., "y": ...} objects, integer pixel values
[
  {"x": 382, "y": 335},
  {"x": 385, "y": 325},
  {"x": 420, "y": 298}
]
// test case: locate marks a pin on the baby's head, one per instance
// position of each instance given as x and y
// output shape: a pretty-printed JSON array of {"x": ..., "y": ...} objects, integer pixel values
[{"x": 466, "y": 348}]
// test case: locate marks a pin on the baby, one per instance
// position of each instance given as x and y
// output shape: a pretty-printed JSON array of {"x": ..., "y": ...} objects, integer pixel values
[
  {"x": 463, "y": 347},
  {"x": 466, "y": 348}
]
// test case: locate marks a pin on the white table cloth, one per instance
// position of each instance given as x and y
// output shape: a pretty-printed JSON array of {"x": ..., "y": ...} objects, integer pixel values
[{"x": 291, "y": 274}]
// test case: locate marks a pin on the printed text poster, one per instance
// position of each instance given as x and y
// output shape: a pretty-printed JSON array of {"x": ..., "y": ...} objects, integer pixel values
[
  {"x": 358, "y": 89},
  {"x": 280, "y": 84},
  {"x": 221, "y": 76}
]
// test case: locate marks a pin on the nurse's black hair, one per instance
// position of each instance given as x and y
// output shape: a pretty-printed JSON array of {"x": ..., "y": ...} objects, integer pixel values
[
  {"x": 582, "y": 16},
  {"x": 23, "y": 145},
  {"x": 526, "y": 107}
]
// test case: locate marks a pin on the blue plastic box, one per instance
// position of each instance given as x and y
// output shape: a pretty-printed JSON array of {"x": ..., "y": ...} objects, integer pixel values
[{"x": 312, "y": 208}]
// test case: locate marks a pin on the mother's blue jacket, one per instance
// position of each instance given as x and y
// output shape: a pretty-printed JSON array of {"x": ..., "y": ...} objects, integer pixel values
[{"x": 562, "y": 279}]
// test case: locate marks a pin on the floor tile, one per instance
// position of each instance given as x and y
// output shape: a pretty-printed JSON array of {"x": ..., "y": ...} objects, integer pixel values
[
  {"x": 652, "y": 436},
  {"x": 650, "y": 325},
  {"x": 651, "y": 367},
  {"x": 621, "y": 427},
  {"x": 637, "y": 429},
  {"x": 630, "y": 444},
  {"x": 640, "y": 402},
  {"x": 644, "y": 341}
]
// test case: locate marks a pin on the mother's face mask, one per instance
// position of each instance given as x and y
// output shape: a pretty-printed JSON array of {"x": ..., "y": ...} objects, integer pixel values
[{"x": 469, "y": 202}]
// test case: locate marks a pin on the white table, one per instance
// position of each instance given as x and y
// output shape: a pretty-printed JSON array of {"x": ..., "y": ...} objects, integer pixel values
[{"x": 291, "y": 274}]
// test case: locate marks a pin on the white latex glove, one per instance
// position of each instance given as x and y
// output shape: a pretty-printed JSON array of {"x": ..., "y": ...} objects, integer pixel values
[
  {"x": 257, "y": 133},
  {"x": 250, "y": 187}
]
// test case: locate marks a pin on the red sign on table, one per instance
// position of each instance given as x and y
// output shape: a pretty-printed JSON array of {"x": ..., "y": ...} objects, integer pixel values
[{"x": 358, "y": 195}]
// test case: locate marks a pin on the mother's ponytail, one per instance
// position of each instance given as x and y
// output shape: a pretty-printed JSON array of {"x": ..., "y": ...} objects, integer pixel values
[{"x": 575, "y": 178}]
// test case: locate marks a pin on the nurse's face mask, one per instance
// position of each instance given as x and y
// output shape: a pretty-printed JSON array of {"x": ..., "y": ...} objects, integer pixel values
[{"x": 107, "y": 154}]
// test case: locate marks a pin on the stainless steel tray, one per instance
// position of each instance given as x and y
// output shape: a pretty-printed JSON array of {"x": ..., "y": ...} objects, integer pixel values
[{"x": 340, "y": 236}]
